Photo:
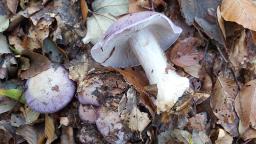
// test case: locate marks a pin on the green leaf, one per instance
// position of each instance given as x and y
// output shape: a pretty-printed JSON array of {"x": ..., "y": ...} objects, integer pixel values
[{"x": 13, "y": 94}]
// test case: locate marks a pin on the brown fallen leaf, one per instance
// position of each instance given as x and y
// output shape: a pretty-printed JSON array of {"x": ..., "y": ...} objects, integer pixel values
[
  {"x": 49, "y": 129},
  {"x": 241, "y": 12},
  {"x": 184, "y": 52},
  {"x": 138, "y": 5},
  {"x": 12, "y": 5},
  {"x": 138, "y": 79},
  {"x": 222, "y": 103},
  {"x": 245, "y": 107},
  {"x": 38, "y": 63},
  {"x": 131, "y": 114},
  {"x": 239, "y": 54},
  {"x": 84, "y": 8},
  {"x": 221, "y": 22},
  {"x": 31, "y": 134}
]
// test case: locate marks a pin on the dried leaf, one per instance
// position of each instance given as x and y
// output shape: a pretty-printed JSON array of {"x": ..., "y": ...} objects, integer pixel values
[
  {"x": 204, "y": 14},
  {"x": 29, "y": 133},
  {"x": 193, "y": 70},
  {"x": 245, "y": 107},
  {"x": 185, "y": 54},
  {"x": 38, "y": 63},
  {"x": 241, "y": 12},
  {"x": 12, "y": 5},
  {"x": 29, "y": 115},
  {"x": 222, "y": 103},
  {"x": 221, "y": 22},
  {"x": 84, "y": 8},
  {"x": 238, "y": 55},
  {"x": 136, "y": 78},
  {"x": 49, "y": 129},
  {"x": 130, "y": 114},
  {"x": 224, "y": 138},
  {"x": 52, "y": 51},
  {"x": 138, "y": 5}
]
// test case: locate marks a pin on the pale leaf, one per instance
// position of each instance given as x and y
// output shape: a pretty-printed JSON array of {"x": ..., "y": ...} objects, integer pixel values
[
  {"x": 113, "y": 7},
  {"x": 4, "y": 23},
  {"x": 241, "y": 12},
  {"x": 97, "y": 24},
  {"x": 245, "y": 105}
]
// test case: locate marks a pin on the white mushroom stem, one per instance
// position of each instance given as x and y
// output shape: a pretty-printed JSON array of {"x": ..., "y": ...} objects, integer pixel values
[{"x": 153, "y": 60}]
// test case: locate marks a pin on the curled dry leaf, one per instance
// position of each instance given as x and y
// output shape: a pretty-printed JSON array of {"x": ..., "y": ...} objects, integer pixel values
[
  {"x": 245, "y": 107},
  {"x": 130, "y": 114},
  {"x": 138, "y": 79},
  {"x": 49, "y": 129},
  {"x": 239, "y": 54},
  {"x": 29, "y": 133},
  {"x": 29, "y": 115},
  {"x": 38, "y": 63},
  {"x": 138, "y": 5},
  {"x": 241, "y": 12},
  {"x": 222, "y": 103}
]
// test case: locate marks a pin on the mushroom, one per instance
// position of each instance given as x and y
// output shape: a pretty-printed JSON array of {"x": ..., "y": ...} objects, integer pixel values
[
  {"x": 142, "y": 38},
  {"x": 49, "y": 91}
]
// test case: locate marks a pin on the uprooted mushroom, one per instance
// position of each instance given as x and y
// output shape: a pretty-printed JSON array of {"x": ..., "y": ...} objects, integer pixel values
[{"x": 141, "y": 38}]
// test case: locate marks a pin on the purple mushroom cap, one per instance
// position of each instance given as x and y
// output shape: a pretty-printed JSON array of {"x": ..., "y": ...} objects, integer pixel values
[
  {"x": 114, "y": 49},
  {"x": 49, "y": 91}
]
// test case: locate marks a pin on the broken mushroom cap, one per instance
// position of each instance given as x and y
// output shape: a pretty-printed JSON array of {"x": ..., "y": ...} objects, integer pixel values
[
  {"x": 114, "y": 49},
  {"x": 49, "y": 91}
]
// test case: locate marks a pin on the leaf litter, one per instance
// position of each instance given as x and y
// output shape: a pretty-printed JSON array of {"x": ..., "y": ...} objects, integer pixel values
[{"x": 216, "y": 51}]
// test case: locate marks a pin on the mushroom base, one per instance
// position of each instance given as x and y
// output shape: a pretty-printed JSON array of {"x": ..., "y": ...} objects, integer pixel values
[{"x": 153, "y": 60}]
